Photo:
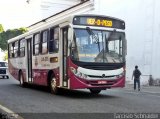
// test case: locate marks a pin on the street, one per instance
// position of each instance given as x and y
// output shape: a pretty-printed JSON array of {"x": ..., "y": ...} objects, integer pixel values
[{"x": 39, "y": 100}]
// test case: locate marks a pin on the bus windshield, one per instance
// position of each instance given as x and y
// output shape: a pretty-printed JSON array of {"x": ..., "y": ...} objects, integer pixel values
[
  {"x": 98, "y": 46},
  {"x": 3, "y": 64}
]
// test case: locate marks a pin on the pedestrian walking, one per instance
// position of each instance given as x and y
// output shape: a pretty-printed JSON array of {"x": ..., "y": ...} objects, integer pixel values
[{"x": 136, "y": 75}]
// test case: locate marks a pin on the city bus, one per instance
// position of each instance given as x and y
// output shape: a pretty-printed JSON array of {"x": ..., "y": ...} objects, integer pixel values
[{"x": 84, "y": 51}]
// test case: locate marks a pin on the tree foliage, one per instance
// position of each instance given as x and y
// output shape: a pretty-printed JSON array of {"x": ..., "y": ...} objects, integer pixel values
[
  {"x": 6, "y": 35},
  {"x": 1, "y": 28}
]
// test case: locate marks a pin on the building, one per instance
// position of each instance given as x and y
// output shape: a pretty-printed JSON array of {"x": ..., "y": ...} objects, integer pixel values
[
  {"x": 142, "y": 32},
  {"x": 142, "y": 29},
  {"x": 46, "y": 8}
]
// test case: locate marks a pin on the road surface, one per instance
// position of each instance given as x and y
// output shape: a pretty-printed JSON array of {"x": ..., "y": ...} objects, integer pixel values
[{"x": 39, "y": 100}]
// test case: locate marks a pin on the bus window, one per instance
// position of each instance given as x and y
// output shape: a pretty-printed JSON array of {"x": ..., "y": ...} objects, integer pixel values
[
  {"x": 54, "y": 40},
  {"x": 22, "y": 48},
  {"x": 16, "y": 49},
  {"x": 36, "y": 44},
  {"x": 10, "y": 50},
  {"x": 44, "y": 42}
]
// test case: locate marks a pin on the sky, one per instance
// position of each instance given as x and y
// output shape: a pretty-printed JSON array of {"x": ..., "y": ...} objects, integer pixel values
[{"x": 18, "y": 13}]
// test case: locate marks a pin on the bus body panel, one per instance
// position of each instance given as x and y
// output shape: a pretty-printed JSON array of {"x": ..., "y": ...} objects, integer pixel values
[{"x": 15, "y": 65}]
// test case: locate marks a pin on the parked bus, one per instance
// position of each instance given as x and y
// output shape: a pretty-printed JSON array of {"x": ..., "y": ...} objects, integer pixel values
[{"x": 78, "y": 52}]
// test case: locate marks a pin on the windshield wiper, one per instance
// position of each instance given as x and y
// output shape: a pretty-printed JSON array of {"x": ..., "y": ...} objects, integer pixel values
[{"x": 90, "y": 32}]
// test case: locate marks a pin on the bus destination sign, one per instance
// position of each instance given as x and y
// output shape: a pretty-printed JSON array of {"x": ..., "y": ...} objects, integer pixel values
[{"x": 99, "y": 21}]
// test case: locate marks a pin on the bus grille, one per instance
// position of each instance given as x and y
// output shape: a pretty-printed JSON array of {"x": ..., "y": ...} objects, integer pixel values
[
  {"x": 92, "y": 76},
  {"x": 2, "y": 71}
]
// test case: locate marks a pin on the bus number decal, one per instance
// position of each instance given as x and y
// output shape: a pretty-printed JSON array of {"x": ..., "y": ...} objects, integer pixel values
[{"x": 44, "y": 59}]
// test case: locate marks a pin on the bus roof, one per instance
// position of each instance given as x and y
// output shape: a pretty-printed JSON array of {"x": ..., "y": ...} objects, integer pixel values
[{"x": 53, "y": 23}]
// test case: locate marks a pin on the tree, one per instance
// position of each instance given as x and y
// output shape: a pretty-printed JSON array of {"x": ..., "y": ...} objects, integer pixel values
[
  {"x": 6, "y": 35},
  {"x": 1, "y": 28}
]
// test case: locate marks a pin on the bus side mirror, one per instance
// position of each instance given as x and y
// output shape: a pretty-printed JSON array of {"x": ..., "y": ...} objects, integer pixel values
[
  {"x": 70, "y": 34},
  {"x": 70, "y": 38}
]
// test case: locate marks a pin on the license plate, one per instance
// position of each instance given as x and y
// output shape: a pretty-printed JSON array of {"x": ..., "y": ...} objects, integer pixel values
[{"x": 102, "y": 82}]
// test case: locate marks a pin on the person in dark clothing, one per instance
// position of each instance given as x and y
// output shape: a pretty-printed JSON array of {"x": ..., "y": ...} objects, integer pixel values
[{"x": 136, "y": 75}]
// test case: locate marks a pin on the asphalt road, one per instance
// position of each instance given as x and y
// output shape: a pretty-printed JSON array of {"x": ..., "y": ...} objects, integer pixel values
[{"x": 38, "y": 100}]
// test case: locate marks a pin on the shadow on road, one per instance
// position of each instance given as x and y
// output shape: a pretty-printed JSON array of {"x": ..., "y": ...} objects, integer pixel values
[{"x": 79, "y": 94}]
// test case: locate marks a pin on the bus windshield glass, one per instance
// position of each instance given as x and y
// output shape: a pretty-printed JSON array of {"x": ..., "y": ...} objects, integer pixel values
[
  {"x": 3, "y": 64},
  {"x": 98, "y": 46}
]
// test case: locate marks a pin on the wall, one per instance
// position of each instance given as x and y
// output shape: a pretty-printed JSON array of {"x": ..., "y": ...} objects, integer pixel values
[{"x": 142, "y": 32}]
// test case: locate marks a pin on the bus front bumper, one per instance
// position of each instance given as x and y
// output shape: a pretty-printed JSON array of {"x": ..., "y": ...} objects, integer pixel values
[{"x": 78, "y": 83}]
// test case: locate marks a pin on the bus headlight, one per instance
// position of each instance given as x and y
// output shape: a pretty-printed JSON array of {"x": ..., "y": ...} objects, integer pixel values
[
  {"x": 120, "y": 75},
  {"x": 73, "y": 70},
  {"x": 77, "y": 73},
  {"x": 81, "y": 75}
]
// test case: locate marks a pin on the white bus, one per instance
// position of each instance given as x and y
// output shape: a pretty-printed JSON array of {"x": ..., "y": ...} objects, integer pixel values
[{"x": 77, "y": 52}]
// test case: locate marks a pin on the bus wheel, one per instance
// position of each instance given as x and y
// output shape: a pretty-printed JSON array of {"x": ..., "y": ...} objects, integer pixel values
[
  {"x": 95, "y": 91},
  {"x": 53, "y": 85},
  {"x": 21, "y": 81}
]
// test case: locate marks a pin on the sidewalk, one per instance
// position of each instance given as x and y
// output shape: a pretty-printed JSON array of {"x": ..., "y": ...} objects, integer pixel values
[{"x": 145, "y": 88}]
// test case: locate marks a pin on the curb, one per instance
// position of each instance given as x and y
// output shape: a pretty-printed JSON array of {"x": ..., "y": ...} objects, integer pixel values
[{"x": 6, "y": 113}]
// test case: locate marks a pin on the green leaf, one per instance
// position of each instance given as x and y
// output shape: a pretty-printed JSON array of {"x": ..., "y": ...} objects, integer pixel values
[{"x": 1, "y": 28}]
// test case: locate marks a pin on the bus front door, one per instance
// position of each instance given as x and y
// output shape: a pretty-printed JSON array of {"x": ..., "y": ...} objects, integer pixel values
[
  {"x": 63, "y": 62},
  {"x": 29, "y": 60}
]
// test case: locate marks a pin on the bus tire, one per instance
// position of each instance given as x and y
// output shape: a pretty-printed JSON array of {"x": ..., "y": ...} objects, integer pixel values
[
  {"x": 95, "y": 91},
  {"x": 53, "y": 85},
  {"x": 21, "y": 80}
]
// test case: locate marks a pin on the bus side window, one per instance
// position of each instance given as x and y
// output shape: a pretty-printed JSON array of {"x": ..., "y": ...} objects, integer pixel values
[
  {"x": 10, "y": 49},
  {"x": 44, "y": 42},
  {"x": 36, "y": 44},
  {"x": 22, "y": 48},
  {"x": 16, "y": 49},
  {"x": 54, "y": 40},
  {"x": 13, "y": 50}
]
